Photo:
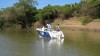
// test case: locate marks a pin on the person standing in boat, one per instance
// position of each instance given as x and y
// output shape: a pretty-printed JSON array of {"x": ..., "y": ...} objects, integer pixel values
[
  {"x": 49, "y": 27},
  {"x": 58, "y": 27}
]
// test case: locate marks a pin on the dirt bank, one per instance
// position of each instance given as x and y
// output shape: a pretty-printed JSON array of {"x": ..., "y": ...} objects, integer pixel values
[{"x": 75, "y": 24}]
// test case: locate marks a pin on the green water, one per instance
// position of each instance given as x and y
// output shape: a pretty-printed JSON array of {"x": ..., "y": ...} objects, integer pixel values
[{"x": 75, "y": 43}]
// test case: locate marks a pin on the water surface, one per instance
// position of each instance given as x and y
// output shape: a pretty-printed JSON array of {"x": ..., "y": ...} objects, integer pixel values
[{"x": 75, "y": 43}]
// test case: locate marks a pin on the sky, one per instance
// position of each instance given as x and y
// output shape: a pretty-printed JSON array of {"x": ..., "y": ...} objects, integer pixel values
[{"x": 41, "y": 3}]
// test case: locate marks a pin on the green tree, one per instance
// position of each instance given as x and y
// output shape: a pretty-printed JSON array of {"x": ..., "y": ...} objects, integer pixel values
[
  {"x": 1, "y": 21},
  {"x": 92, "y": 7},
  {"x": 22, "y": 13},
  {"x": 26, "y": 12},
  {"x": 48, "y": 12}
]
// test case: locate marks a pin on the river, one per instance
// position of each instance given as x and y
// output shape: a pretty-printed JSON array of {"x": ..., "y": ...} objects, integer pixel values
[{"x": 75, "y": 43}]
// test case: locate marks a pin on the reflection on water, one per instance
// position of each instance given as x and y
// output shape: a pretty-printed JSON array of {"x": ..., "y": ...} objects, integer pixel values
[
  {"x": 53, "y": 42},
  {"x": 57, "y": 42},
  {"x": 56, "y": 47},
  {"x": 47, "y": 46}
]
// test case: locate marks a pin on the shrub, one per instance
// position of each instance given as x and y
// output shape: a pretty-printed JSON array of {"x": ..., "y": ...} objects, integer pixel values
[
  {"x": 98, "y": 19},
  {"x": 85, "y": 20}
]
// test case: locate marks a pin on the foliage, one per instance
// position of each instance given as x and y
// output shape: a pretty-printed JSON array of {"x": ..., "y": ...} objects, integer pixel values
[
  {"x": 86, "y": 20},
  {"x": 25, "y": 13},
  {"x": 1, "y": 23},
  {"x": 47, "y": 13},
  {"x": 38, "y": 17},
  {"x": 98, "y": 19},
  {"x": 22, "y": 13},
  {"x": 91, "y": 8}
]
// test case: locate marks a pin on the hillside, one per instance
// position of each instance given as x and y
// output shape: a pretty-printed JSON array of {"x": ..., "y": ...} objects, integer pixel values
[{"x": 74, "y": 24}]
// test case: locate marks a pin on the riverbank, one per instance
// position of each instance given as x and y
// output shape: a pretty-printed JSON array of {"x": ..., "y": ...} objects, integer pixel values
[{"x": 75, "y": 24}]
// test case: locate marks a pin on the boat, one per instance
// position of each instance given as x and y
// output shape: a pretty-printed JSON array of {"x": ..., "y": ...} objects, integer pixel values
[{"x": 50, "y": 34}]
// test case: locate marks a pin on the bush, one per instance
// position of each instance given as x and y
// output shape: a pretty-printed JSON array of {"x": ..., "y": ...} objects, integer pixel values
[
  {"x": 98, "y": 19},
  {"x": 1, "y": 23},
  {"x": 86, "y": 20}
]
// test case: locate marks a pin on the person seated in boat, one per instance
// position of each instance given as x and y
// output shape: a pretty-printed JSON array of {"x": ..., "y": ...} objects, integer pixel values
[
  {"x": 44, "y": 28},
  {"x": 49, "y": 27},
  {"x": 58, "y": 27}
]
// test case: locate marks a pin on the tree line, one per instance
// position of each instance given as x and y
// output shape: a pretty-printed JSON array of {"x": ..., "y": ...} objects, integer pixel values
[{"x": 25, "y": 13}]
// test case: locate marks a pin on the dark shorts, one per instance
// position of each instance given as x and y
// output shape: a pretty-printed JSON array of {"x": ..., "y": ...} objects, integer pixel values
[{"x": 57, "y": 29}]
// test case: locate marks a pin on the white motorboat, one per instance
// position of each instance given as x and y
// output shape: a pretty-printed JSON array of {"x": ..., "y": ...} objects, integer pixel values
[{"x": 44, "y": 33}]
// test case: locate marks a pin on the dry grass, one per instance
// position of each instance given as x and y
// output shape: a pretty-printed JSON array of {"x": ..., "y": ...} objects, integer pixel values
[{"x": 75, "y": 24}]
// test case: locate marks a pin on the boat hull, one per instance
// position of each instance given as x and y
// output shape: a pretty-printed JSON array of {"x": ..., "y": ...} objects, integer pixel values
[
  {"x": 50, "y": 34},
  {"x": 43, "y": 34}
]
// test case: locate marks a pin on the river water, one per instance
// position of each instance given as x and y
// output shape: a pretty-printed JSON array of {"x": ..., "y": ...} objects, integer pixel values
[{"x": 75, "y": 43}]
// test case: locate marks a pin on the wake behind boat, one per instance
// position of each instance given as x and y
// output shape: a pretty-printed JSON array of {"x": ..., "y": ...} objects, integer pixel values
[{"x": 44, "y": 33}]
